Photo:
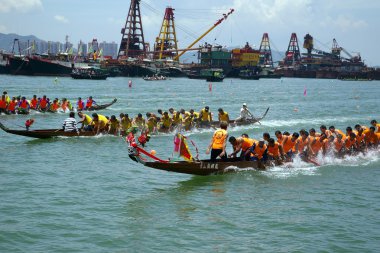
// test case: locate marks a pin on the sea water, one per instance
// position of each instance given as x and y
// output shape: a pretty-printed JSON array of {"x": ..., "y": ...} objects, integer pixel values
[{"x": 85, "y": 194}]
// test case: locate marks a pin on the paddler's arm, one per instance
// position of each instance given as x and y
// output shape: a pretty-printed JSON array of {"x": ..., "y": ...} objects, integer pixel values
[
  {"x": 236, "y": 150},
  {"x": 209, "y": 147}
]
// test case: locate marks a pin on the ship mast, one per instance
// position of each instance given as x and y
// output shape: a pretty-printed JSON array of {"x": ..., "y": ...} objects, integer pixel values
[
  {"x": 166, "y": 42},
  {"x": 132, "y": 42}
]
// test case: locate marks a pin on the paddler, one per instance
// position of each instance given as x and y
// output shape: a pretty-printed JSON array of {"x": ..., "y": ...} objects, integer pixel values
[
  {"x": 80, "y": 104},
  {"x": 351, "y": 143},
  {"x": 187, "y": 120},
  {"x": 375, "y": 125},
  {"x": 275, "y": 150},
  {"x": 194, "y": 115},
  {"x": 223, "y": 116},
  {"x": 259, "y": 151},
  {"x": 23, "y": 106},
  {"x": 372, "y": 138},
  {"x": 66, "y": 105},
  {"x": 205, "y": 117},
  {"x": 177, "y": 119},
  {"x": 55, "y": 105},
  {"x": 43, "y": 104},
  {"x": 125, "y": 123},
  {"x": 7, "y": 98},
  {"x": 139, "y": 121},
  {"x": 34, "y": 103},
  {"x": 3, "y": 105},
  {"x": 86, "y": 121},
  {"x": 70, "y": 124},
  {"x": 114, "y": 125},
  {"x": 339, "y": 148},
  {"x": 240, "y": 144},
  {"x": 218, "y": 143},
  {"x": 11, "y": 109},
  {"x": 335, "y": 132},
  {"x": 245, "y": 114},
  {"x": 90, "y": 103},
  {"x": 289, "y": 143},
  {"x": 279, "y": 136},
  {"x": 324, "y": 130},
  {"x": 100, "y": 123},
  {"x": 151, "y": 121},
  {"x": 166, "y": 122}
]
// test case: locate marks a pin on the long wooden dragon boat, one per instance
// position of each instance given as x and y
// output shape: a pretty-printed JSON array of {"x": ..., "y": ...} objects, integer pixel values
[
  {"x": 93, "y": 108},
  {"x": 46, "y": 133}
]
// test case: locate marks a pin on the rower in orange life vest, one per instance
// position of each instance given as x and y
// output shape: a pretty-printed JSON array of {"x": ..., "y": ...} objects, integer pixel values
[
  {"x": 259, "y": 151},
  {"x": 275, "y": 150},
  {"x": 372, "y": 138},
  {"x": 43, "y": 104},
  {"x": 66, "y": 105},
  {"x": 23, "y": 106},
  {"x": 335, "y": 132},
  {"x": 288, "y": 143},
  {"x": 375, "y": 125},
  {"x": 90, "y": 103},
  {"x": 80, "y": 104},
  {"x": 34, "y": 102},
  {"x": 218, "y": 143},
  {"x": 242, "y": 144},
  {"x": 55, "y": 105},
  {"x": 3, "y": 105},
  {"x": 12, "y": 106}
]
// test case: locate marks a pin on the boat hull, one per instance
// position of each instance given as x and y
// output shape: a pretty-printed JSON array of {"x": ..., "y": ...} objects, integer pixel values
[{"x": 205, "y": 167}]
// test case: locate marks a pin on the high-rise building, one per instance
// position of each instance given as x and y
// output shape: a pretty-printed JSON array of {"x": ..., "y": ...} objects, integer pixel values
[{"x": 109, "y": 49}]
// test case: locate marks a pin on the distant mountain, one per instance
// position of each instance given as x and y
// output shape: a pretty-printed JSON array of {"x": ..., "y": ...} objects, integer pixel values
[{"x": 6, "y": 40}]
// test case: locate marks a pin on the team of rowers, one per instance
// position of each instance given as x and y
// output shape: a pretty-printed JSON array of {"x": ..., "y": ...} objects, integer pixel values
[
  {"x": 21, "y": 105},
  {"x": 306, "y": 143}
]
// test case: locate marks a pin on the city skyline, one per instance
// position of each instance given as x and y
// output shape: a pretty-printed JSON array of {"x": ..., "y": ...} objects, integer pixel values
[{"x": 351, "y": 23}]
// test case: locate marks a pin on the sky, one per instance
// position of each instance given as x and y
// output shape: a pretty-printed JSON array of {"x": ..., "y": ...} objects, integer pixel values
[{"x": 353, "y": 23}]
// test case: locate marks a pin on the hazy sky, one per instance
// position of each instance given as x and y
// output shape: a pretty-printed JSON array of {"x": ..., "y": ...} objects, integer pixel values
[{"x": 355, "y": 24}]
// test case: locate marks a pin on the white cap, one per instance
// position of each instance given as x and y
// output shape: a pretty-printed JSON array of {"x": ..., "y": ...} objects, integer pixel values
[{"x": 244, "y": 104}]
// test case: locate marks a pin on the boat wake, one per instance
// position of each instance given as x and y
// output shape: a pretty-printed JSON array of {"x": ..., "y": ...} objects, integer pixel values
[{"x": 299, "y": 167}]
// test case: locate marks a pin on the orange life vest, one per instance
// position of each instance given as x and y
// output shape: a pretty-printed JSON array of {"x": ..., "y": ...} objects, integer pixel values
[
  {"x": 12, "y": 106},
  {"x": 3, "y": 104},
  {"x": 288, "y": 144},
  {"x": 33, "y": 103},
  {"x": 301, "y": 144},
  {"x": 55, "y": 106},
  {"x": 80, "y": 104},
  {"x": 247, "y": 143},
  {"x": 274, "y": 151},
  {"x": 24, "y": 104},
  {"x": 89, "y": 103},
  {"x": 338, "y": 145},
  {"x": 259, "y": 152},
  {"x": 349, "y": 142},
  {"x": 317, "y": 145},
  {"x": 43, "y": 103}
]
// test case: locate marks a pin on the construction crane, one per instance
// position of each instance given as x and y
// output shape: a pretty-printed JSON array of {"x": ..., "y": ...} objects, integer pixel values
[
  {"x": 336, "y": 49},
  {"x": 209, "y": 30}
]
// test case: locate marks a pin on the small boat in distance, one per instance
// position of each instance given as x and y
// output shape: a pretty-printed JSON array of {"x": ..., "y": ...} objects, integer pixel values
[
  {"x": 210, "y": 75},
  {"x": 154, "y": 78},
  {"x": 89, "y": 73}
]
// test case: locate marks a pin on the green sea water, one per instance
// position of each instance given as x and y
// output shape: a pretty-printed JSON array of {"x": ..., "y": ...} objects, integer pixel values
[{"x": 86, "y": 195}]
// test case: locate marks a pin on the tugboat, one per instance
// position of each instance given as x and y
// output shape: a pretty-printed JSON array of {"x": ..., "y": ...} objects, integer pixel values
[
  {"x": 248, "y": 74},
  {"x": 213, "y": 75},
  {"x": 89, "y": 73}
]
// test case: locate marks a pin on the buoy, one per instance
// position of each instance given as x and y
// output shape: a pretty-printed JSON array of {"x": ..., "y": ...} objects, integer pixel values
[
  {"x": 210, "y": 87},
  {"x": 130, "y": 83},
  {"x": 153, "y": 152}
]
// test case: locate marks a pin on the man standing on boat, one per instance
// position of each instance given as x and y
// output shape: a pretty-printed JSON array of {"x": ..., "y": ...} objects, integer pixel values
[
  {"x": 218, "y": 143},
  {"x": 70, "y": 124},
  {"x": 245, "y": 114}
]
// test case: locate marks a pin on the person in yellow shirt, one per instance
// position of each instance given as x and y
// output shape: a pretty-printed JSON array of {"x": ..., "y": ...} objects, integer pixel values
[
  {"x": 114, "y": 125},
  {"x": 166, "y": 122},
  {"x": 86, "y": 122},
  {"x": 151, "y": 121},
  {"x": 205, "y": 117},
  {"x": 177, "y": 119},
  {"x": 100, "y": 123},
  {"x": 139, "y": 121},
  {"x": 223, "y": 116},
  {"x": 125, "y": 123},
  {"x": 187, "y": 121},
  {"x": 218, "y": 143}
]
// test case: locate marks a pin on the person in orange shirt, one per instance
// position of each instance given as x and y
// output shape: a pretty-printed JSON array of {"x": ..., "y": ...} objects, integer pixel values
[
  {"x": 372, "y": 138},
  {"x": 339, "y": 148},
  {"x": 3, "y": 105},
  {"x": 259, "y": 151},
  {"x": 55, "y": 105},
  {"x": 23, "y": 106},
  {"x": 43, "y": 104},
  {"x": 34, "y": 102},
  {"x": 11, "y": 109},
  {"x": 303, "y": 144},
  {"x": 275, "y": 150},
  {"x": 218, "y": 143},
  {"x": 240, "y": 144},
  {"x": 318, "y": 143},
  {"x": 364, "y": 128},
  {"x": 324, "y": 130},
  {"x": 279, "y": 136},
  {"x": 288, "y": 144},
  {"x": 335, "y": 132},
  {"x": 360, "y": 143},
  {"x": 351, "y": 143},
  {"x": 375, "y": 125}
]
